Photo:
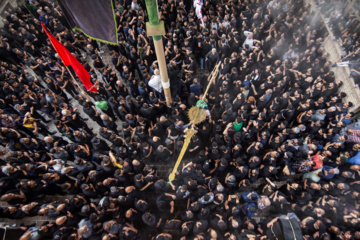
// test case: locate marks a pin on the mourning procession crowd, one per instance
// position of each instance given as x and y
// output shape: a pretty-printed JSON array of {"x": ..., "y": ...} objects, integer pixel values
[{"x": 276, "y": 158}]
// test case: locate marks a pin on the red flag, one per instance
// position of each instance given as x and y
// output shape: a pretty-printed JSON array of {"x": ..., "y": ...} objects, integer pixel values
[{"x": 69, "y": 59}]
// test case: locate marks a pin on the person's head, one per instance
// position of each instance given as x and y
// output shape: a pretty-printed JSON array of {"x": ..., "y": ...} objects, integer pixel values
[
  {"x": 40, "y": 12},
  {"x": 315, "y": 186},
  {"x": 148, "y": 217},
  {"x": 348, "y": 235},
  {"x": 60, "y": 220},
  {"x": 343, "y": 186},
  {"x": 189, "y": 214},
  {"x": 206, "y": 197},
  {"x": 7, "y": 170},
  {"x": 253, "y": 196},
  {"x": 222, "y": 225},
  {"x": 334, "y": 171},
  {"x": 213, "y": 51}
]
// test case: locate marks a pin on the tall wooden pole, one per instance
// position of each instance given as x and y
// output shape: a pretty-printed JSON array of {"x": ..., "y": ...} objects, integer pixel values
[{"x": 156, "y": 29}]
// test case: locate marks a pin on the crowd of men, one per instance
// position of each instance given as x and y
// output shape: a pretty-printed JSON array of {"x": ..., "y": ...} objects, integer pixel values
[
  {"x": 344, "y": 28},
  {"x": 276, "y": 141}
]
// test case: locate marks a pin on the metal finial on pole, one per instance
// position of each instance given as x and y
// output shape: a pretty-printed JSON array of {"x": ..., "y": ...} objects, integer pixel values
[{"x": 197, "y": 114}]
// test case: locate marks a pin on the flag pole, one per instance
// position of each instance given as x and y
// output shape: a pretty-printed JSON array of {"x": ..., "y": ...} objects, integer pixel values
[
  {"x": 156, "y": 29},
  {"x": 73, "y": 78}
]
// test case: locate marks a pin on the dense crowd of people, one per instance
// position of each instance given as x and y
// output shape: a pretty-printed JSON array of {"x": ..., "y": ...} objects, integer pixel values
[
  {"x": 344, "y": 27},
  {"x": 274, "y": 142}
]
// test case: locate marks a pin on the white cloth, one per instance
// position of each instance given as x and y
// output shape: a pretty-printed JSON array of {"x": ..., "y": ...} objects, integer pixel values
[
  {"x": 155, "y": 83},
  {"x": 343, "y": 64},
  {"x": 198, "y": 5}
]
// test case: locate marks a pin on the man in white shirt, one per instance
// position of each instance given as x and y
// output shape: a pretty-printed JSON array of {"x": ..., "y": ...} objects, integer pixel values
[
  {"x": 135, "y": 5},
  {"x": 155, "y": 82},
  {"x": 249, "y": 39}
]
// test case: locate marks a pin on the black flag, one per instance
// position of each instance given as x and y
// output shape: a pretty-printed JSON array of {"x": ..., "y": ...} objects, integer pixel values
[{"x": 95, "y": 18}]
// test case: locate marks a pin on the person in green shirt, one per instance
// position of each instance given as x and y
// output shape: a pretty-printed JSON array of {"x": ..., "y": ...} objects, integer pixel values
[
  {"x": 238, "y": 124},
  {"x": 120, "y": 7},
  {"x": 313, "y": 175},
  {"x": 104, "y": 106},
  {"x": 31, "y": 7}
]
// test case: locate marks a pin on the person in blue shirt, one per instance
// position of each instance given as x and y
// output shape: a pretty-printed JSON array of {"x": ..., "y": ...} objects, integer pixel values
[
  {"x": 249, "y": 209},
  {"x": 43, "y": 17},
  {"x": 250, "y": 197},
  {"x": 143, "y": 92},
  {"x": 339, "y": 138},
  {"x": 345, "y": 117},
  {"x": 355, "y": 159},
  {"x": 329, "y": 172},
  {"x": 195, "y": 87}
]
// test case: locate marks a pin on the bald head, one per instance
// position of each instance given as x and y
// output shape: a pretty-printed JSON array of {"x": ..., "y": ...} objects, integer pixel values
[{"x": 48, "y": 139}]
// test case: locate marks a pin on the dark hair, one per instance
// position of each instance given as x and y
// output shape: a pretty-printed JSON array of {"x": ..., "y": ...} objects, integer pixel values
[
  {"x": 342, "y": 95},
  {"x": 346, "y": 187},
  {"x": 222, "y": 225},
  {"x": 86, "y": 105},
  {"x": 252, "y": 209},
  {"x": 253, "y": 196},
  {"x": 206, "y": 198},
  {"x": 321, "y": 175},
  {"x": 183, "y": 232},
  {"x": 147, "y": 216},
  {"x": 93, "y": 217}
]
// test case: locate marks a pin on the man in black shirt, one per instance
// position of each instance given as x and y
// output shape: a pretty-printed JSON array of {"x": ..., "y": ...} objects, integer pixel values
[
  {"x": 98, "y": 64},
  {"x": 162, "y": 153},
  {"x": 52, "y": 85},
  {"x": 151, "y": 220},
  {"x": 108, "y": 122},
  {"x": 165, "y": 203},
  {"x": 90, "y": 110},
  {"x": 105, "y": 133},
  {"x": 211, "y": 58},
  {"x": 190, "y": 68},
  {"x": 205, "y": 47},
  {"x": 66, "y": 84}
]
